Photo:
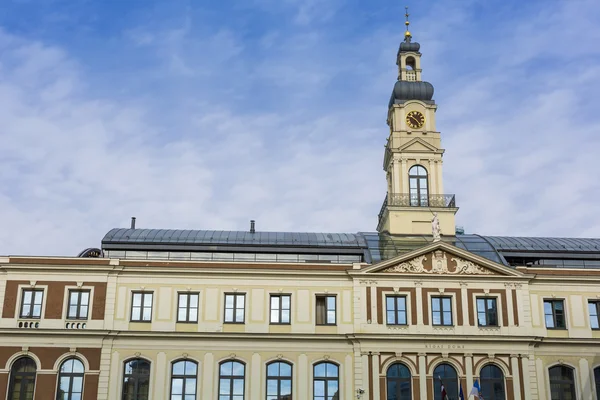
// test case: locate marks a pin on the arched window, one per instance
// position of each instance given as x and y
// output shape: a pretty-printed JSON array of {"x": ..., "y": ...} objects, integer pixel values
[
  {"x": 279, "y": 381},
  {"x": 449, "y": 377},
  {"x": 492, "y": 383},
  {"x": 597, "y": 379},
  {"x": 70, "y": 380},
  {"x": 184, "y": 380},
  {"x": 398, "y": 382},
  {"x": 326, "y": 381},
  {"x": 22, "y": 379},
  {"x": 419, "y": 192},
  {"x": 562, "y": 383},
  {"x": 136, "y": 380},
  {"x": 231, "y": 380}
]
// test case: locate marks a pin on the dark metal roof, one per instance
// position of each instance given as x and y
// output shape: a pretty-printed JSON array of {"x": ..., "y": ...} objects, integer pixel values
[
  {"x": 200, "y": 237},
  {"x": 542, "y": 244},
  {"x": 373, "y": 246}
]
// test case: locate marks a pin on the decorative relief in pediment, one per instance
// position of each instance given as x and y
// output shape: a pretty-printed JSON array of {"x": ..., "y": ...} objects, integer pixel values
[{"x": 437, "y": 263}]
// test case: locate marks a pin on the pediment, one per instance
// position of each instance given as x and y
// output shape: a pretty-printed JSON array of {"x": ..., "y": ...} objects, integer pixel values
[
  {"x": 441, "y": 258},
  {"x": 418, "y": 145}
]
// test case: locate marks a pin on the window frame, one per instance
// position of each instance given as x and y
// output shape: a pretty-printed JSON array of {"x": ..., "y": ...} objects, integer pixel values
[
  {"x": 78, "y": 304},
  {"x": 561, "y": 382},
  {"x": 25, "y": 376},
  {"x": 188, "y": 307},
  {"x": 486, "y": 312},
  {"x": 485, "y": 381},
  {"x": 143, "y": 294},
  {"x": 137, "y": 375},
  {"x": 596, "y": 372},
  {"x": 279, "y": 378},
  {"x": 553, "y": 302},
  {"x": 442, "y": 310},
  {"x": 184, "y": 377},
  {"x": 454, "y": 382},
  {"x": 326, "y": 296},
  {"x": 596, "y": 304},
  {"x": 32, "y": 303},
  {"x": 71, "y": 376},
  {"x": 326, "y": 379},
  {"x": 235, "y": 308},
  {"x": 231, "y": 379},
  {"x": 395, "y": 310},
  {"x": 398, "y": 379},
  {"x": 280, "y": 309},
  {"x": 419, "y": 190}
]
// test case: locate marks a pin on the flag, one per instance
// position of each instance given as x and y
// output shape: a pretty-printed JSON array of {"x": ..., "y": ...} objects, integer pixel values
[
  {"x": 475, "y": 390},
  {"x": 444, "y": 394},
  {"x": 461, "y": 395}
]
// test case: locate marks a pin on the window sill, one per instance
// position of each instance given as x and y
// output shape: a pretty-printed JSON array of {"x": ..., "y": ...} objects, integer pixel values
[
  {"x": 233, "y": 323},
  {"x": 557, "y": 329},
  {"x": 187, "y": 322}
]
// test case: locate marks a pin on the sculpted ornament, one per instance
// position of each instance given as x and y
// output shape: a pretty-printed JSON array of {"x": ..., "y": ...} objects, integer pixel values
[{"x": 439, "y": 266}]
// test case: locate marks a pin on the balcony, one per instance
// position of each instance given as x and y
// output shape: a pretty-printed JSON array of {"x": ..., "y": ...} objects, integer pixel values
[{"x": 417, "y": 200}]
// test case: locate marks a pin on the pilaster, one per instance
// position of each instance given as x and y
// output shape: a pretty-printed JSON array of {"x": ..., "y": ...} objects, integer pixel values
[
  {"x": 514, "y": 364},
  {"x": 375, "y": 375},
  {"x": 423, "y": 375}
]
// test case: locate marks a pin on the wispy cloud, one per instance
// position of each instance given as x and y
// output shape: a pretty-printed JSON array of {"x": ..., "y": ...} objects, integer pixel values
[{"x": 212, "y": 117}]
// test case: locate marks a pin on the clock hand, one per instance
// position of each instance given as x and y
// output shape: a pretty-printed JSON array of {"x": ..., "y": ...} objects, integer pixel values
[{"x": 415, "y": 121}]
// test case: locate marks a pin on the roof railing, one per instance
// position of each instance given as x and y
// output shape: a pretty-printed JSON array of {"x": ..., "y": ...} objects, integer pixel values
[{"x": 418, "y": 200}]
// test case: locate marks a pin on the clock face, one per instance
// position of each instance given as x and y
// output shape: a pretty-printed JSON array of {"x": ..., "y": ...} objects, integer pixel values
[{"x": 415, "y": 119}]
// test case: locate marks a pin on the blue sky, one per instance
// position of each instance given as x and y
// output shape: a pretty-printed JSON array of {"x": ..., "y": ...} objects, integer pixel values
[{"x": 205, "y": 114}]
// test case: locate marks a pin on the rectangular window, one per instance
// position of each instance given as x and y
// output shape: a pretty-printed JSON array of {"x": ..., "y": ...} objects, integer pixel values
[
  {"x": 326, "y": 310},
  {"x": 31, "y": 304},
  {"x": 79, "y": 304},
  {"x": 594, "y": 308},
  {"x": 395, "y": 310},
  {"x": 235, "y": 308},
  {"x": 187, "y": 307},
  {"x": 441, "y": 310},
  {"x": 141, "y": 307},
  {"x": 487, "y": 312},
  {"x": 280, "y": 309},
  {"x": 554, "y": 313}
]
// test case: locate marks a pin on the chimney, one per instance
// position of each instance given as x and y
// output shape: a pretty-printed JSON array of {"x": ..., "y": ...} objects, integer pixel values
[
  {"x": 132, "y": 222},
  {"x": 252, "y": 226}
]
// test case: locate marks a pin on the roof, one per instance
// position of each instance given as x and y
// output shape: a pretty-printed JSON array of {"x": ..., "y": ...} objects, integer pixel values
[{"x": 373, "y": 246}]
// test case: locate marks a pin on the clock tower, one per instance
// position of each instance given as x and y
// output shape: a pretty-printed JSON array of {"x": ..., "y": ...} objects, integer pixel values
[{"x": 413, "y": 154}]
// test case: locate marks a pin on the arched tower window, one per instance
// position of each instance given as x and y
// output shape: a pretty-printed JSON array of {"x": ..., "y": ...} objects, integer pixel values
[
  {"x": 562, "y": 383},
  {"x": 184, "y": 380},
  {"x": 22, "y": 379},
  {"x": 232, "y": 380},
  {"x": 279, "y": 381},
  {"x": 398, "y": 382},
  {"x": 326, "y": 381},
  {"x": 492, "y": 382},
  {"x": 411, "y": 63},
  {"x": 70, "y": 380},
  {"x": 136, "y": 380},
  {"x": 449, "y": 377},
  {"x": 419, "y": 190}
]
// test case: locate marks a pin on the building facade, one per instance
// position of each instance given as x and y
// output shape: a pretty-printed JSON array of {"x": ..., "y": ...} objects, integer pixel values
[{"x": 172, "y": 314}]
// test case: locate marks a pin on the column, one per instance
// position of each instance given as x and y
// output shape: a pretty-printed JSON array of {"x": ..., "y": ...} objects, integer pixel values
[
  {"x": 526, "y": 376},
  {"x": 509, "y": 304},
  {"x": 440, "y": 178},
  {"x": 207, "y": 377},
  {"x": 419, "y": 300},
  {"x": 375, "y": 375},
  {"x": 514, "y": 363},
  {"x": 541, "y": 381},
  {"x": 433, "y": 176},
  {"x": 404, "y": 176},
  {"x": 255, "y": 380},
  {"x": 469, "y": 370},
  {"x": 464, "y": 303},
  {"x": 114, "y": 376},
  {"x": 586, "y": 379},
  {"x": 423, "y": 375},
  {"x": 159, "y": 376},
  {"x": 348, "y": 381},
  {"x": 396, "y": 175},
  {"x": 303, "y": 385},
  {"x": 365, "y": 374}
]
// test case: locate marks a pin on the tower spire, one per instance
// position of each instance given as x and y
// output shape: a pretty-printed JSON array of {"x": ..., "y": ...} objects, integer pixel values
[{"x": 407, "y": 35}]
